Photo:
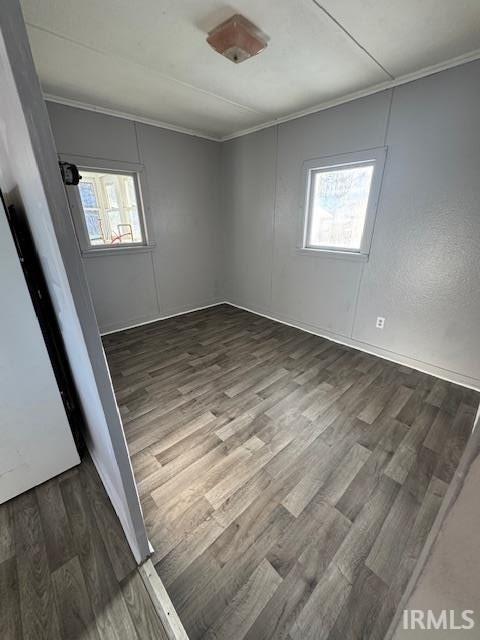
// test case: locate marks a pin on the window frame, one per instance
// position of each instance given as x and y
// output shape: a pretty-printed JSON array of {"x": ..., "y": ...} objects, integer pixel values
[
  {"x": 310, "y": 168},
  {"x": 137, "y": 171}
]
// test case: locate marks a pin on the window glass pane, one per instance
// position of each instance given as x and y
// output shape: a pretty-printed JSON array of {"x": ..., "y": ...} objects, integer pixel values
[
  {"x": 339, "y": 200},
  {"x": 87, "y": 192},
  {"x": 110, "y": 208},
  {"x": 111, "y": 195}
]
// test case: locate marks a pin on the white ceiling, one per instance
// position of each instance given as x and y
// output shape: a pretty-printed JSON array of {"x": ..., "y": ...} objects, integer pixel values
[{"x": 149, "y": 59}]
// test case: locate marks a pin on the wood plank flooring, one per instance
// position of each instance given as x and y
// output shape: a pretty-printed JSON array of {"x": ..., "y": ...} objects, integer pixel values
[
  {"x": 288, "y": 482},
  {"x": 66, "y": 571}
]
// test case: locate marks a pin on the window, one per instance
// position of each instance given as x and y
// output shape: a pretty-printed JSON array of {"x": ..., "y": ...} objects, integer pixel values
[
  {"x": 340, "y": 202},
  {"x": 111, "y": 213}
]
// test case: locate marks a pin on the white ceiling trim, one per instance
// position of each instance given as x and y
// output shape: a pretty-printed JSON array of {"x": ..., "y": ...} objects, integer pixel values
[
  {"x": 389, "y": 84},
  {"x": 128, "y": 116}
]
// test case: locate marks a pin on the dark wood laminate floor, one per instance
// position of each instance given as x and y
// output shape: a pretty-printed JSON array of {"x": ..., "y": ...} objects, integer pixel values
[
  {"x": 66, "y": 572},
  {"x": 288, "y": 482}
]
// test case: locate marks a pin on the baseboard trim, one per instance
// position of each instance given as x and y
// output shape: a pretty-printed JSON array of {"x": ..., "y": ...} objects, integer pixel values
[
  {"x": 162, "y": 603},
  {"x": 157, "y": 319},
  {"x": 419, "y": 365},
  {"x": 425, "y": 367}
]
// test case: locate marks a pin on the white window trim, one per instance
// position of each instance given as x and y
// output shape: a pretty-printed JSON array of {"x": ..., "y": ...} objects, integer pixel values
[
  {"x": 116, "y": 167},
  {"x": 310, "y": 167}
]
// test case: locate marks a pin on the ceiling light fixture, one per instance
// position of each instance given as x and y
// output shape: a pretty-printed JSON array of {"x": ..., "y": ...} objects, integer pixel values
[{"x": 237, "y": 39}]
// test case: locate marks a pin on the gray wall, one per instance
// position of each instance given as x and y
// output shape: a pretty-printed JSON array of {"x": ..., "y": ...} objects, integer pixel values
[
  {"x": 225, "y": 221},
  {"x": 424, "y": 267},
  {"x": 183, "y": 214},
  {"x": 248, "y": 167},
  {"x": 30, "y": 179}
]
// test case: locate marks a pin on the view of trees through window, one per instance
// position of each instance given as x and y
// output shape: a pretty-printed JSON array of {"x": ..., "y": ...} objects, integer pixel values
[
  {"x": 110, "y": 208},
  {"x": 339, "y": 207}
]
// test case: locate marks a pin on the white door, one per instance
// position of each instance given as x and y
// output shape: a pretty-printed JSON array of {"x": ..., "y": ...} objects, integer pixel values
[{"x": 35, "y": 438}]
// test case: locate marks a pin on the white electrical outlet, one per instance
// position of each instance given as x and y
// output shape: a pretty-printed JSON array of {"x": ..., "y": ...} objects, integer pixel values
[{"x": 380, "y": 322}]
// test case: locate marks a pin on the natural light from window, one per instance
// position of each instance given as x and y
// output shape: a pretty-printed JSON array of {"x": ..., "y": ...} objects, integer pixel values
[
  {"x": 110, "y": 208},
  {"x": 338, "y": 202}
]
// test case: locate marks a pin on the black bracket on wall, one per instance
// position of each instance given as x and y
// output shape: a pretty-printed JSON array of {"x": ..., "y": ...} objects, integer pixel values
[{"x": 70, "y": 173}]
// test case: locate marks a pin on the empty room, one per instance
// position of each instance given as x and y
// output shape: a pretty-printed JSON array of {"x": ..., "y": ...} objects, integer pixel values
[{"x": 240, "y": 338}]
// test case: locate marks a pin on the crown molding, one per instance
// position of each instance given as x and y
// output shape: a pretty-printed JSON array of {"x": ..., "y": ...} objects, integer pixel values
[
  {"x": 86, "y": 106},
  {"x": 383, "y": 86}
]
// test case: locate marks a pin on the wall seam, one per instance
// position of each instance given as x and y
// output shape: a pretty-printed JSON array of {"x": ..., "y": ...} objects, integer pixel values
[
  {"x": 274, "y": 213},
  {"x": 154, "y": 273},
  {"x": 380, "y": 196},
  {"x": 223, "y": 277}
]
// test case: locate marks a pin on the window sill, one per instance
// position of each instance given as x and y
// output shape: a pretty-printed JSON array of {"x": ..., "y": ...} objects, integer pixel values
[
  {"x": 337, "y": 255},
  {"x": 116, "y": 251}
]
